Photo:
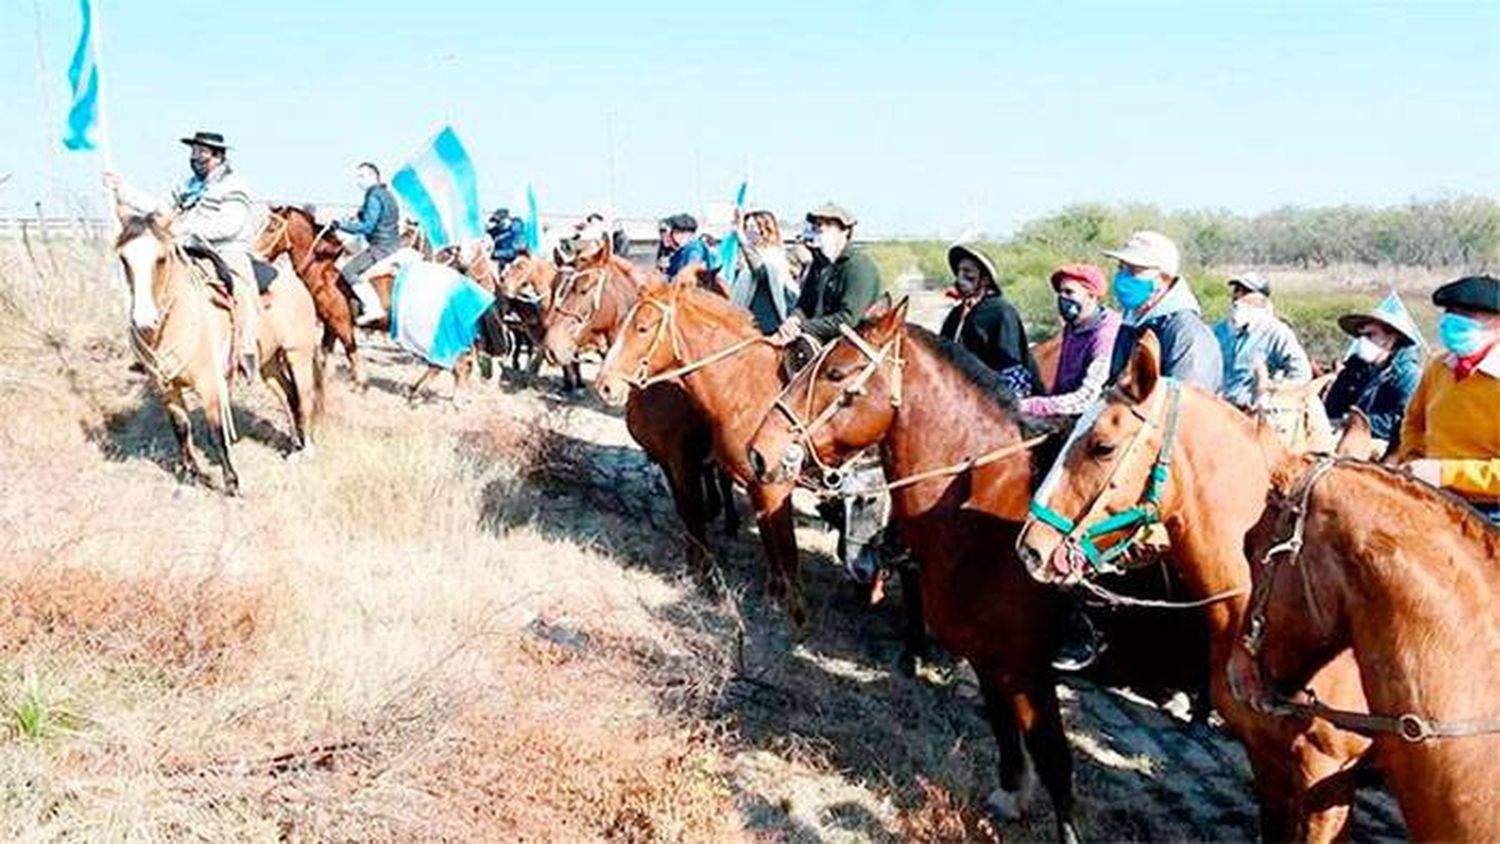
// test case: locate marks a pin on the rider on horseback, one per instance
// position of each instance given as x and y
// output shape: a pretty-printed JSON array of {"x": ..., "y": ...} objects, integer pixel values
[
  {"x": 379, "y": 221},
  {"x": 509, "y": 236},
  {"x": 213, "y": 205}
]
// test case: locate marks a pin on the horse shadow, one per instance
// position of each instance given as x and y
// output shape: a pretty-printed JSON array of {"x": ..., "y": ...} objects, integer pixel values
[{"x": 143, "y": 431}]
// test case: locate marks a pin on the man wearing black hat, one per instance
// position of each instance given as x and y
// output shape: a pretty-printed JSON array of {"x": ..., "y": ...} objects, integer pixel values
[
  {"x": 687, "y": 248},
  {"x": 841, "y": 284},
  {"x": 214, "y": 204},
  {"x": 1451, "y": 435}
]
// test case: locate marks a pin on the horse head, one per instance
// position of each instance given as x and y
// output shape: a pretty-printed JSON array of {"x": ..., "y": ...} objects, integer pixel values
[
  {"x": 294, "y": 231},
  {"x": 529, "y": 276},
  {"x": 585, "y": 314},
  {"x": 143, "y": 247},
  {"x": 840, "y": 403},
  {"x": 1109, "y": 481}
]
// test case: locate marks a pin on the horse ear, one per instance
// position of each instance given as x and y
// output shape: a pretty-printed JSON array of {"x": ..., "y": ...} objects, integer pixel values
[
  {"x": 1358, "y": 440},
  {"x": 688, "y": 275},
  {"x": 889, "y": 321},
  {"x": 878, "y": 308},
  {"x": 1139, "y": 379}
]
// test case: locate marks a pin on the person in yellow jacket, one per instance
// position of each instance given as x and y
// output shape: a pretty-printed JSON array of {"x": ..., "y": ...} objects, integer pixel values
[{"x": 1451, "y": 435}]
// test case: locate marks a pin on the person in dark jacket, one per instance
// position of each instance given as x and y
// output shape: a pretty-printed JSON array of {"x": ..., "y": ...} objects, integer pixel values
[
  {"x": 840, "y": 286},
  {"x": 986, "y": 324},
  {"x": 1381, "y": 371},
  {"x": 687, "y": 247},
  {"x": 379, "y": 222},
  {"x": 1155, "y": 298},
  {"x": 508, "y": 236}
]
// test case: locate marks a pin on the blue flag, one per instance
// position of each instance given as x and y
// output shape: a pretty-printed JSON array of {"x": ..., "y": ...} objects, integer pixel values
[
  {"x": 533, "y": 223},
  {"x": 83, "y": 76},
  {"x": 729, "y": 249},
  {"x": 439, "y": 189}
]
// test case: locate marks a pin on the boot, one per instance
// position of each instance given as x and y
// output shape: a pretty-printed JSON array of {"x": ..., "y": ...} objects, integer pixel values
[
  {"x": 370, "y": 309},
  {"x": 1081, "y": 644}
]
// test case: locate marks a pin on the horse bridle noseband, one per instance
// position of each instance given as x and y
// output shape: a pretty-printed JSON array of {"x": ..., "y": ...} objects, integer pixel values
[
  {"x": 1409, "y": 726},
  {"x": 666, "y": 329}
]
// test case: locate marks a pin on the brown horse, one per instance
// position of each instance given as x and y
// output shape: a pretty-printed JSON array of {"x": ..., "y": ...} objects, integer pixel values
[
  {"x": 929, "y": 407},
  {"x": 679, "y": 327},
  {"x": 1356, "y": 556},
  {"x": 661, "y": 419},
  {"x": 526, "y": 288},
  {"x": 182, "y": 329},
  {"x": 1156, "y": 451},
  {"x": 587, "y": 308}
]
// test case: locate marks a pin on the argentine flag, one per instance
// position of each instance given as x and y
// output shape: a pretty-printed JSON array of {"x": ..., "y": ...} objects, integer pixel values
[
  {"x": 435, "y": 311},
  {"x": 438, "y": 188},
  {"x": 83, "y": 76}
]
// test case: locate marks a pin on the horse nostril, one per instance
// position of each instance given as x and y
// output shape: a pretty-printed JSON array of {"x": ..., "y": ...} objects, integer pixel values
[{"x": 1031, "y": 558}]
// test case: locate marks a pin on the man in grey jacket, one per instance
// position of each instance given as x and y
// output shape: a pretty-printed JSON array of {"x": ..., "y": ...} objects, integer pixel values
[
  {"x": 214, "y": 204},
  {"x": 1252, "y": 337},
  {"x": 1155, "y": 298}
]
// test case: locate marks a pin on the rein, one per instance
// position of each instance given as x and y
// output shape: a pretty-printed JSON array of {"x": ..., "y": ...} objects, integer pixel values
[
  {"x": 667, "y": 328},
  {"x": 1409, "y": 726},
  {"x": 1079, "y": 534},
  {"x": 595, "y": 302}
]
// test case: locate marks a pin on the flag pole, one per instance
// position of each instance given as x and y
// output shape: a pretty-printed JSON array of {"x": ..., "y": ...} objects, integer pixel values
[{"x": 106, "y": 152}]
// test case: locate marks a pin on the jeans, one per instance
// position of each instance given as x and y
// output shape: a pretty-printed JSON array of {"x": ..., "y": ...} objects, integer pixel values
[{"x": 363, "y": 261}]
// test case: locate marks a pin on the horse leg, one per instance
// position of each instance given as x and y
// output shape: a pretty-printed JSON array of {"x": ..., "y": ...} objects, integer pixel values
[
  {"x": 773, "y": 512},
  {"x": 1017, "y": 776},
  {"x": 726, "y": 491},
  {"x": 415, "y": 390},
  {"x": 1039, "y": 716},
  {"x": 713, "y": 503},
  {"x": 278, "y": 379},
  {"x": 216, "y": 434},
  {"x": 915, "y": 646},
  {"x": 303, "y": 392},
  {"x": 685, "y": 478},
  {"x": 462, "y": 368},
  {"x": 182, "y": 426}
]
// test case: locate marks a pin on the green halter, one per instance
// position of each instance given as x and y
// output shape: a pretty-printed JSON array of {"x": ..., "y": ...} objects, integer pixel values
[{"x": 1144, "y": 514}]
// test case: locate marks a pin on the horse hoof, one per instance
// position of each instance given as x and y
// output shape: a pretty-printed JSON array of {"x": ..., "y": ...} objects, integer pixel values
[{"x": 1011, "y": 806}]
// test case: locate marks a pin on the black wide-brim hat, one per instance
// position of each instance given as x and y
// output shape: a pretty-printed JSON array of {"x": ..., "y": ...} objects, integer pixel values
[
  {"x": 212, "y": 140},
  {"x": 1473, "y": 293}
]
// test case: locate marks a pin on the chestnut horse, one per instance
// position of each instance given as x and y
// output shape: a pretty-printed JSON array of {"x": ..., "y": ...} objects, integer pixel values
[
  {"x": 662, "y": 419},
  {"x": 1157, "y": 452},
  {"x": 1357, "y": 556},
  {"x": 314, "y": 253},
  {"x": 182, "y": 330},
  {"x": 931, "y": 406},
  {"x": 586, "y": 308}
]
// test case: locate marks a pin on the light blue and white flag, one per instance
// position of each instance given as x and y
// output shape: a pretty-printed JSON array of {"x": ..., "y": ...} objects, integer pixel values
[
  {"x": 439, "y": 189},
  {"x": 729, "y": 249},
  {"x": 435, "y": 311},
  {"x": 83, "y": 76}
]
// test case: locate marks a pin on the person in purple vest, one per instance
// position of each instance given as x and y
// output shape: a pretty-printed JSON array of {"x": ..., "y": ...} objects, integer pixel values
[{"x": 1089, "y": 328}]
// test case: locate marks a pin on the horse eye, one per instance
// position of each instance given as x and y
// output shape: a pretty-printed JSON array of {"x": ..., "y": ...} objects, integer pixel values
[
  {"x": 836, "y": 374},
  {"x": 1098, "y": 448}
]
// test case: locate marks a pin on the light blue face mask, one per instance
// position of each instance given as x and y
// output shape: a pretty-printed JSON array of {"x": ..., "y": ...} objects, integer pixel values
[
  {"x": 1131, "y": 290},
  {"x": 1463, "y": 336}
]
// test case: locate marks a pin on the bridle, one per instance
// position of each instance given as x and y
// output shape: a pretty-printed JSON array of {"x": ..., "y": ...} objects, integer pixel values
[
  {"x": 1085, "y": 557},
  {"x": 668, "y": 331},
  {"x": 851, "y": 389},
  {"x": 283, "y": 233},
  {"x": 1079, "y": 534},
  {"x": 596, "y": 300},
  {"x": 1409, "y": 726}
]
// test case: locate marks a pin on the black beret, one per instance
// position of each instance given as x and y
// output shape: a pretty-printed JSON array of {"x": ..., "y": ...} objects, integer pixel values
[{"x": 1474, "y": 293}]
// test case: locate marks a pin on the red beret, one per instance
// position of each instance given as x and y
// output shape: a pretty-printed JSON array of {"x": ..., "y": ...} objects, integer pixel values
[{"x": 1088, "y": 275}]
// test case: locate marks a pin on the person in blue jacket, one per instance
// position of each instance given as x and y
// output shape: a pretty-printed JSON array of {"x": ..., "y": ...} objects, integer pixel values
[
  {"x": 687, "y": 246},
  {"x": 379, "y": 222},
  {"x": 1154, "y": 297},
  {"x": 1381, "y": 371}
]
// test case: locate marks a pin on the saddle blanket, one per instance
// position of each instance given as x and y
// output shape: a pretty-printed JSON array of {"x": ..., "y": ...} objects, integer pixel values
[{"x": 435, "y": 312}]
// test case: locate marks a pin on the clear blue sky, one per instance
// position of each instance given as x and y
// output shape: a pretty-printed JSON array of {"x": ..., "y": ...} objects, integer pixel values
[{"x": 921, "y": 117}]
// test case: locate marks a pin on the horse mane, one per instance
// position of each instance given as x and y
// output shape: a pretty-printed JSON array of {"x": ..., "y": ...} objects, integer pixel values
[
  {"x": 972, "y": 368},
  {"x": 134, "y": 226},
  {"x": 705, "y": 300},
  {"x": 1474, "y": 525}
]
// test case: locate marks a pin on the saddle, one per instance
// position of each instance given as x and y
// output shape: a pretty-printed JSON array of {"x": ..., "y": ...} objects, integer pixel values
[{"x": 199, "y": 250}]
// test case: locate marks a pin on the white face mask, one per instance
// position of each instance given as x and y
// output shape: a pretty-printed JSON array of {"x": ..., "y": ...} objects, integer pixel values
[
  {"x": 1367, "y": 350},
  {"x": 1242, "y": 314},
  {"x": 831, "y": 242}
]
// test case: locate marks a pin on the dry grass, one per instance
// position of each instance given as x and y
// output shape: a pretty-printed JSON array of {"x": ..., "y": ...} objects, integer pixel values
[{"x": 349, "y": 653}]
